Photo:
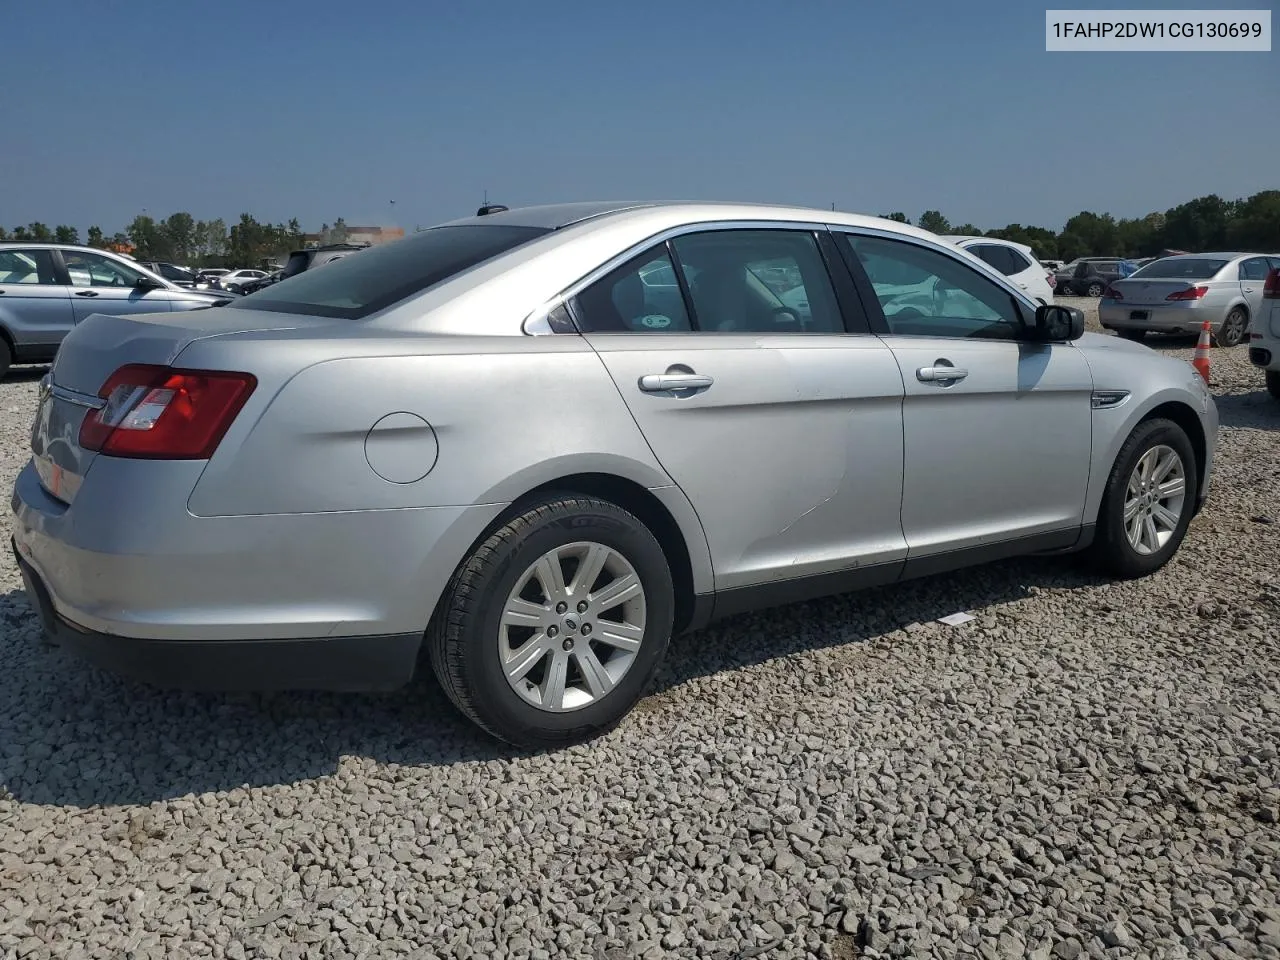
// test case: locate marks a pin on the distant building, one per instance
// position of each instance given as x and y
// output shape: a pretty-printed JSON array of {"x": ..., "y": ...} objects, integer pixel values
[{"x": 370, "y": 235}]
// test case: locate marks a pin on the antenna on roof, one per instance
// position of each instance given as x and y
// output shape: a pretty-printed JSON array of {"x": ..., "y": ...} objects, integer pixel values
[{"x": 487, "y": 208}]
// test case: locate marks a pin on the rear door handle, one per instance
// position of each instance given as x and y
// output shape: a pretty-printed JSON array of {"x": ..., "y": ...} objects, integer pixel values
[
  {"x": 86, "y": 293},
  {"x": 666, "y": 382},
  {"x": 940, "y": 374}
]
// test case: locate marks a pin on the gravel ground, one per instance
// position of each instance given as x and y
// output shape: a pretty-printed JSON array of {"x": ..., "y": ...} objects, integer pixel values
[{"x": 1086, "y": 769}]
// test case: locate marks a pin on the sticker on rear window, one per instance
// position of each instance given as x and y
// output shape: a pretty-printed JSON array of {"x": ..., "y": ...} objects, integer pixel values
[{"x": 655, "y": 321}]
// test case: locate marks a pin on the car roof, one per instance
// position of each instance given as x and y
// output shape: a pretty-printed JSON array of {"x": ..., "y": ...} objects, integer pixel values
[
  {"x": 560, "y": 215},
  {"x": 957, "y": 238},
  {"x": 50, "y": 245},
  {"x": 1212, "y": 256}
]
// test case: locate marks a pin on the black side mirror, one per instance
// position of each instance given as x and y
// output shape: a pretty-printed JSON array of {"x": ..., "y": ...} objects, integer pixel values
[
  {"x": 148, "y": 283},
  {"x": 1055, "y": 323}
]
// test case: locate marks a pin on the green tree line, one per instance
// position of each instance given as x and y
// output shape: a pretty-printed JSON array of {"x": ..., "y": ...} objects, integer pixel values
[
  {"x": 1203, "y": 224},
  {"x": 180, "y": 238}
]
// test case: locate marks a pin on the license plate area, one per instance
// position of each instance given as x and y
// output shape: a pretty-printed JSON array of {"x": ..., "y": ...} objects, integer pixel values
[{"x": 1139, "y": 314}]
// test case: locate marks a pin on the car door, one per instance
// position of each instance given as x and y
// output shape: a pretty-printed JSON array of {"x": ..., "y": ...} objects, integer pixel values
[
  {"x": 996, "y": 429},
  {"x": 1253, "y": 277},
  {"x": 35, "y": 306},
  {"x": 102, "y": 284},
  {"x": 780, "y": 423}
]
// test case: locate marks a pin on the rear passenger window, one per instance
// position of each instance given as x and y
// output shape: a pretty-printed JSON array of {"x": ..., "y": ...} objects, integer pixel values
[
  {"x": 758, "y": 281},
  {"x": 641, "y": 296},
  {"x": 1002, "y": 258},
  {"x": 27, "y": 266},
  {"x": 1254, "y": 268}
]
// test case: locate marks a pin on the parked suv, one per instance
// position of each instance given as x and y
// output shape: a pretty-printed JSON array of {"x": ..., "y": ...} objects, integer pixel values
[
  {"x": 172, "y": 272},
  {"x": 1016, "y": 261},
  {"x": 1264, "y": 337},
  {"x": 1088, "y": 276},
  {"x": 47, "y": 288}
]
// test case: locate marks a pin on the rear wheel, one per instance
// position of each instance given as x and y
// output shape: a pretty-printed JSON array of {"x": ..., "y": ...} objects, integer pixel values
[
  {"x": 6, "y": 357},
  {"x": 1148, "y": 501},
  {"x": 1095, "y": 288},
  {"x": 549, "y": 633},
  {"x": 1273, "y": 383},
  {"x": 1231, "y": 333},
  {"x": 1137, "y": 336}
]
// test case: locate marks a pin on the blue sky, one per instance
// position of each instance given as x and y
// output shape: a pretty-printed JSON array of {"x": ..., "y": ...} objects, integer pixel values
[{"x": 326, "y": 109}]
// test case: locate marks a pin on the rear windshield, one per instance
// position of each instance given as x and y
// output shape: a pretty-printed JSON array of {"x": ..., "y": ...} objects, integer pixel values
[
  {"x": 1192, "y": 268},
  {"x": 355, "y": 286}
]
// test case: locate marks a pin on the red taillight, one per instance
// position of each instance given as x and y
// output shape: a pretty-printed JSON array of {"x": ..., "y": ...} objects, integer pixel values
[
  {"x": 1053, "y": 280},
  {"x": 161, "y": 413},
  {"x": 1271, "y": 289},
  {"x": 1191, "y": 293},
  {"x": 1111, "y": 293}
]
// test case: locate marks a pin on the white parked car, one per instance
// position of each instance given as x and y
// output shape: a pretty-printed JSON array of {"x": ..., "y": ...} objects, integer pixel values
[
  {"x": 237, "y": 278},
  {"x": 1017, "y": 261},
  {"x": 1264, "y": 336}
]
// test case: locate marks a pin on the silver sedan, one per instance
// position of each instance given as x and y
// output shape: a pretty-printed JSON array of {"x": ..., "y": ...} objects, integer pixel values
[
  {"x": 1177, "y": 294},
  {"x": 529, "y": 447}
]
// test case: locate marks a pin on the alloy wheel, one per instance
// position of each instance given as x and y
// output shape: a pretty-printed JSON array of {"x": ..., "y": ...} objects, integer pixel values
[
  {"x": 572, "y": 626},
  {"x": 1154, "y": 499}
]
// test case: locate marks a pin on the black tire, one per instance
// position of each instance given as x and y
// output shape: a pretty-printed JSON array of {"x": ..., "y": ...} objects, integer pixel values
[
  {"x": 1137, "y": 336},
  {"x": 1231, "y": 333},
  {"x": 6, "y": 358},
  {"x": 1273, "y": 383},
  {"x": 462, "y": 639},
  {"x": 1095, "y": 289},
  {"x": 1112, "y": 553}
]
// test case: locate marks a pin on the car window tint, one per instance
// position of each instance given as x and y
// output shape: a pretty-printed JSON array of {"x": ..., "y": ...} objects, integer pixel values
[
  {"x": 354, "y": 287},
  {"x": 1255, "y": 268},
  {"x": 925, "y": 293},
  {"x": 641, "y": 296},
  {"x": 758, "y": 281},
  {"x": 33, "y": 267},
  {"x": 94, "y": 270},
  {"x": 1180, "y": 268},
  {"x": 1002, "y": 258}
]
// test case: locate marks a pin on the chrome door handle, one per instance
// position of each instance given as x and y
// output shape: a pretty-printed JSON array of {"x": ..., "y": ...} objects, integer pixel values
[
  {"x": 665, "y": 382},
  {"x": 940, "y": 374},
  {"x": 86, "y": 293}
]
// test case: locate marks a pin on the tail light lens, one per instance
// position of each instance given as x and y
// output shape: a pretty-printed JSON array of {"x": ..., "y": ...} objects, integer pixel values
[
  {"x": 1191, "y": 293},
  {"x": 1271, "y": 289},
  {"x": 1053, "y": 280},
  {"x": 160, "y": 413},
  {"x": 1111, "y": 293}
]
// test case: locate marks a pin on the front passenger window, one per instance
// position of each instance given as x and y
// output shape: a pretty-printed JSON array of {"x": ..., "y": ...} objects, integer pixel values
[
  {"x": 925, "y": 293},
  {"x": 92, "y": 270}
]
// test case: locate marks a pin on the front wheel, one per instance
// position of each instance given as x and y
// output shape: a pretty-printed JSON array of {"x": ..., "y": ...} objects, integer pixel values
[
  {"x": 1148, "y": 501},
  {"x": 549, "y": 633},
  {"x": 1273, "y": 383}
]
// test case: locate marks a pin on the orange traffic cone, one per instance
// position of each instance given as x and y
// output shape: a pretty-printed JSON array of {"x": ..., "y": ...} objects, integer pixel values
[{"x": 1201, "y": 359}]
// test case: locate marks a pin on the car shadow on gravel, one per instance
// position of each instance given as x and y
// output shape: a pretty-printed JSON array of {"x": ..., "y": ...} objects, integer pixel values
[
  {"x": 72, "y": 735},
  {"x": 1255, "y": 410},
  {"x": 26, "y": 374}
]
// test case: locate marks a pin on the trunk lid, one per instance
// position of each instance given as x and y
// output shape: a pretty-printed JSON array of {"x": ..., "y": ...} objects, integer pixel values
[
  {"x": 97, "y": 347},
  {"x": 1149, "y": 293}
]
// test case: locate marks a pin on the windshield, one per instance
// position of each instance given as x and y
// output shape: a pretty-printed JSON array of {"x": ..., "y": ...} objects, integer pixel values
[
  {"x": 355, "y": 286},
  {"x": 1190, "y": 268}
]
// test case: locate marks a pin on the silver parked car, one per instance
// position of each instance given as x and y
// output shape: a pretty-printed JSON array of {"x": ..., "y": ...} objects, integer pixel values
[
  {"x": 532, "y": 445},
  {"x": 1177, "y": 294},
  {"x": 47, "y": 288}
]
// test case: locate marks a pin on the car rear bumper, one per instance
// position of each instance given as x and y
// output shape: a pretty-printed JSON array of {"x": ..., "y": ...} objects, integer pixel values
[
  {"x": 127, "y": 559},
  {"x": 1172, "y": 318},
  {"x": 370, "y": 663}
]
